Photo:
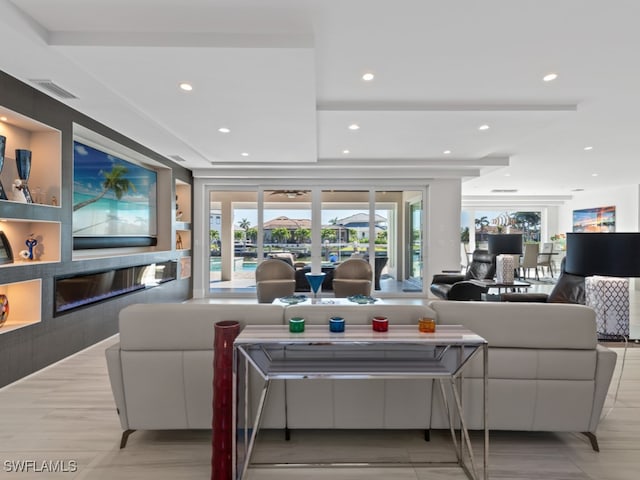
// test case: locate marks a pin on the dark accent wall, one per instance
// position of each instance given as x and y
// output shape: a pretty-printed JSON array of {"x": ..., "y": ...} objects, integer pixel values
[{"x": 28, "y": 349}]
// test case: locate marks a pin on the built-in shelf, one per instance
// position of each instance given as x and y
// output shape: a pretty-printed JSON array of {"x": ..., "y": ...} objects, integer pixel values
[
  {"x": 25, "y": 304},
  {"x": 45, "y": 144},
  {"x": 183, "y": 202},
  {"x": 47, "y": 235},
  {"x": 182, "y": 224}
]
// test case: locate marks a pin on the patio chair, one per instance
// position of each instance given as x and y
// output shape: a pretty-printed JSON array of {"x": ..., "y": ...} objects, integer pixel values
[
  {"x": 274, "y": 279},
  {"x": 352, "y": 277}
]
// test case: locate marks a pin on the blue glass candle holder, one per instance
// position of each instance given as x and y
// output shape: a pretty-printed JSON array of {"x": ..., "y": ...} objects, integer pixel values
[{"x": 336, "y": 324}]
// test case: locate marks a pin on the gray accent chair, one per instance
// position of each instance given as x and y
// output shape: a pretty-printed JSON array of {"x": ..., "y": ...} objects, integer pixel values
[
  {"x": 275, "y": 278},
  {"x": 352, "y": 277}
]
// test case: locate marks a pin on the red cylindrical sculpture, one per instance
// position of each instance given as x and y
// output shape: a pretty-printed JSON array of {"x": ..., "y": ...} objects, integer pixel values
[{"x": 222, "y": 425}]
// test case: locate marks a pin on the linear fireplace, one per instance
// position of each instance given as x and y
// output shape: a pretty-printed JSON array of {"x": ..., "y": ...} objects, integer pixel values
[{"x": 72, "y": 292}]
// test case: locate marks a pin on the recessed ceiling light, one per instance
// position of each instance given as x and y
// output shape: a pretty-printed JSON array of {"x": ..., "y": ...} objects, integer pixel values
[
  {"x": 594, "y": 174},
  {"x": 483, "y": 127},
  {"x": 550, "y": 77},
  {"x": 354, "y": 126},
  {"x": 588, "y": 148},
  {"x": 187, "y": 87},
  {"x": 346, "y": 152},
  {"x": 4, "y": 119},
  {"x": 447, "y": 152},
  {"x": 224, "y": 130},
  {"x": 507, "y": 174},
  {"x": 367, "y": 77},
  {"x": 244, "y": 154}
]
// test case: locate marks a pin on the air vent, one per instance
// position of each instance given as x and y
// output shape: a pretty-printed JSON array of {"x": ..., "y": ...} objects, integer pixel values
[
  {"x": 177, "y": 158},
  {"x": 53, "y": 88},
  {"x": 504, "y": 190}
]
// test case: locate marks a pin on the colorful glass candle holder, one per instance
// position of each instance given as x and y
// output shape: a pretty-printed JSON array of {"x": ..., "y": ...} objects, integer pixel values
[
  {"x": 427, "y": 325},
  {"x": 380, "y": 323},
  {"x": 296, "y": 324},
  {"x": 336, "y": 324}
]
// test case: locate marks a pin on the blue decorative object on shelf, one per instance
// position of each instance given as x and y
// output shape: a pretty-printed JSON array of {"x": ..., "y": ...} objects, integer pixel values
[
  {"x": 31, "y": 242},
  {"x": 23, "y": 164}
]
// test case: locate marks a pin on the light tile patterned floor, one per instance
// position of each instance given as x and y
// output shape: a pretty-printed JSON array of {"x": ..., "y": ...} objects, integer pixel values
[{"x": 66, "y": 413}]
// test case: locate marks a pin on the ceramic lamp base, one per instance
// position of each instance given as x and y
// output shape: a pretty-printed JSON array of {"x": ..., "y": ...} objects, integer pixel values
[{"x": 505, "y": 267}]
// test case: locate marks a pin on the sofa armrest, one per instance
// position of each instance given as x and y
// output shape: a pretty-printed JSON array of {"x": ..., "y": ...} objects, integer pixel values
[
  {"x": 524, "y": 297},
  {"x": 114, "y": 367},
  {"x": 448, "y": 279},
  {"x": 604, "y": 371}
]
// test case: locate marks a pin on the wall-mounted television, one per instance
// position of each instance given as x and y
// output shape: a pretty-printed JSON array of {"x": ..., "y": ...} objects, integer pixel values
[{"x": 114, "y": 200}]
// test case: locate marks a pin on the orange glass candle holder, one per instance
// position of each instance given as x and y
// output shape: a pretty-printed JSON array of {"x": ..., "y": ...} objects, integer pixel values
[{"x": 427, "y": 325}]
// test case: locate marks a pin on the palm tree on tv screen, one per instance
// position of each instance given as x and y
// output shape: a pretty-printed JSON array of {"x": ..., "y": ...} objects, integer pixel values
[{"x": 114, "y": 180}]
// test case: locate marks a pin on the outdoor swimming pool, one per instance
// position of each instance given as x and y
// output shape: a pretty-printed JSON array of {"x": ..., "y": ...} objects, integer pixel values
[{"x": 239, "y": 265}]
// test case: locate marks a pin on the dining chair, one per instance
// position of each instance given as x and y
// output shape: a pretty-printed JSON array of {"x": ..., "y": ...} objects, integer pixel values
[
  {"x": 530, "y": 259},
  {"x": 544, "y": 258}
]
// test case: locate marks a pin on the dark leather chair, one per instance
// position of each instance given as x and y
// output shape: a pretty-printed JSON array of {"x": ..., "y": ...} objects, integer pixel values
[
  {"x": 568, "y": 289},
  {"x": 466, "y": 287}
]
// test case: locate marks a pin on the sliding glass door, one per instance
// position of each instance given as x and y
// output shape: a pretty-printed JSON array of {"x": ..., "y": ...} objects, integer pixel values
[{"x": 319, "y": 228}]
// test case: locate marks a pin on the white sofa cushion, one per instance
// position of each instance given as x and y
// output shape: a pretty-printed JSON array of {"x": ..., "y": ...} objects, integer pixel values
[
  {"x": 186, "y": 326},
  {"x": 523, "y": 325}
]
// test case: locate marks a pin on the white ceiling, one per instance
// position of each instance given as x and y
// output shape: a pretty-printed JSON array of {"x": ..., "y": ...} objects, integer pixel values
[{"x": 285, "y": 77}]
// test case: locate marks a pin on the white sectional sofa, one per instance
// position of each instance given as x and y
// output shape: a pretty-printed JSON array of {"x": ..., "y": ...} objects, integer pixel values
[{"x": 546, "y": 370}]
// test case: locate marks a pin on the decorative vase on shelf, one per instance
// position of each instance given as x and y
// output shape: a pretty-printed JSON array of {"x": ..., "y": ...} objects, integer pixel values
[
  {"x": 4, "y": 308},
  {"x": 23, "y": 164},
  {"x": 3, "y": 144},
  {"x": 31, "y": 242}
]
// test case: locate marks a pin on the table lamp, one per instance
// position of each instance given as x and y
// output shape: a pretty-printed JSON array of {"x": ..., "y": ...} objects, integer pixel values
[
  {"x": 504, "y": 247},
  {"x": 606, "y": 260}
]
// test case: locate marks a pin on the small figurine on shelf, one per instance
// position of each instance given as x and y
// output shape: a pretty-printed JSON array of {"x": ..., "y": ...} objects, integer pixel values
[
  {"x": 54, "y": 201},
  {"x": 178, "y": 242},
  {"x": 4, "y": 308},
  {"x": 18, "y": 192},
  {"x": 31, "y": 242},
  {"x": 178, "y": 211}
]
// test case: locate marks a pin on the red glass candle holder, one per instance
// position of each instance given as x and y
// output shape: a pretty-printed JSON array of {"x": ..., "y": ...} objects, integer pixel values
[{"x": 380, "y": 323}]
